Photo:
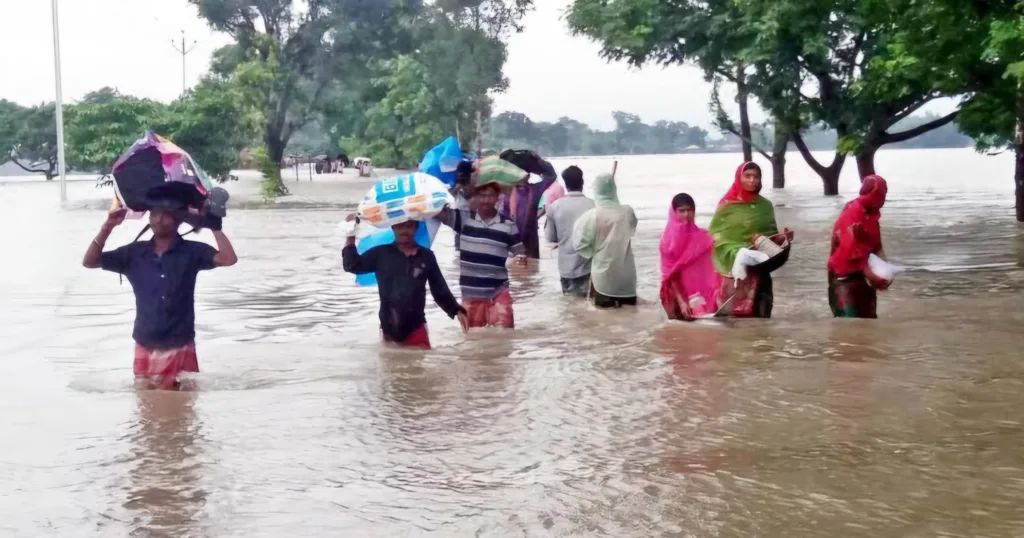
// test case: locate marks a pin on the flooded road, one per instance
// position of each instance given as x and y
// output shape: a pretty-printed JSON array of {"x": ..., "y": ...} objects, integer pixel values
[{"x": 579, "y": 423}]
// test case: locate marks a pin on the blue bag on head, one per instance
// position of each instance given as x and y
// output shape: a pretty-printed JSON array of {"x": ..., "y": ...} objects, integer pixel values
[{"x": 442, "y": 160}]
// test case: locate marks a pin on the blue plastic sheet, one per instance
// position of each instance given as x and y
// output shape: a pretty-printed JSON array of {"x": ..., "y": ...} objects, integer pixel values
[
  {"x": 424, "y": 237},
  {"x": 442, "y": 161}
]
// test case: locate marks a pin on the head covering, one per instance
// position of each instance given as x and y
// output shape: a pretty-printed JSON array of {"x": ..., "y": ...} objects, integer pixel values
[
  {"x": 175, "y": 197},
  {"x": 737, "y": 194},
  {"x": 605, "y": 192},
  {"x": 857, "y": 233},
  {"x": 681, "y": 241},
  {"x": 872, "y": 193},
  {"x": 686, "y": 263},
  {"x": 604, "y": 234}
]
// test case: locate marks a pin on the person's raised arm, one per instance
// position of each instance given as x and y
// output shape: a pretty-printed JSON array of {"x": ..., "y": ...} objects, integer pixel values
[
  {"x": 226, "y": 256},
  {"x": 352, "y": 261},
  {"x": 94, "y": 254}
]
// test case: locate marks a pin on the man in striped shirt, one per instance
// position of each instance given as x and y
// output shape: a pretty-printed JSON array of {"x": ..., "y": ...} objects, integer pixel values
[{"x": 487, "y": 239}]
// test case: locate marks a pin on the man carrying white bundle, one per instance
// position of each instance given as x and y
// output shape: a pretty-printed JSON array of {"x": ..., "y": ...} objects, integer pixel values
[{"x": 403, "y": 269}]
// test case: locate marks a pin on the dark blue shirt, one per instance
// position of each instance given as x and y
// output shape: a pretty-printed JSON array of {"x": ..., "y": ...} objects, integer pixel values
[
  {"x": 402, "y": 283},
  {"x": 165, "y": 316}
]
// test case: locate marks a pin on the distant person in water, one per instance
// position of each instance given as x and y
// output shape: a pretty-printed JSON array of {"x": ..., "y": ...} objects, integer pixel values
[
  {"x": 162, "y": 272},
  {"x": 562, "y": 215},
  {"x": 403, "y": 269},
  {"x": 488, "y": 239},
  {"x": 689, "y": 284},
  {"x": 856, "y": 236},
  {"x": 521, "y": 204},
  {"x": 605, "y": 236}
]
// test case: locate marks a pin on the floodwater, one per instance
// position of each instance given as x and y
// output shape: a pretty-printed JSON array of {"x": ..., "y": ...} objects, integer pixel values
[{"x": 578, "y": 423}]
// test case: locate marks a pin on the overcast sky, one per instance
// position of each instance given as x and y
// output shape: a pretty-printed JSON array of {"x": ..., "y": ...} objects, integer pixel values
[{"x": 127, "y": 44}]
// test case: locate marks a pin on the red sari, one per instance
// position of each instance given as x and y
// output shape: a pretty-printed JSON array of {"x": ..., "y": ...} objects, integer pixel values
[{"x": 855, "y": 236}]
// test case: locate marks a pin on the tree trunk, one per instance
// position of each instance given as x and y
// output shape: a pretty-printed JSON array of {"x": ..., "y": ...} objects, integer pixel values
[
  {"x": 830, "y": 178},
  {"x": 742, "y": 96},
  {"x": 829, "y": 175},
  {"x": 866, "y": 160},
  {"x": 1018, "y": 172},
  {"x": 779, "y": 157}
]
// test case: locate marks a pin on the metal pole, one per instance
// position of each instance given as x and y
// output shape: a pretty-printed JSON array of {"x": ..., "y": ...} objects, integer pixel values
[
  {"x": 184, "y": 52},
  {"x": 59, "y": 105}
]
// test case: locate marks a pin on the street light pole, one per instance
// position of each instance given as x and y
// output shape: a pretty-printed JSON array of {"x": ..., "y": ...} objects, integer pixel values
[
  {"x": 184, "y": 52},
  {"x": 59, "y": 105}
]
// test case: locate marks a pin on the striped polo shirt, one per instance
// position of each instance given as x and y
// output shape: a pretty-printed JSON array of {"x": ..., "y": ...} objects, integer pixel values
[{"x": 485, "y": 247}]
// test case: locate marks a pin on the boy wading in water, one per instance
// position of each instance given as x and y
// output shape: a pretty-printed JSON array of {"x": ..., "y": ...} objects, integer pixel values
[
  {"x": 487, "y": 239},
  {"x": 403, "y": 270},
  {"x": 162, "y": 272}
]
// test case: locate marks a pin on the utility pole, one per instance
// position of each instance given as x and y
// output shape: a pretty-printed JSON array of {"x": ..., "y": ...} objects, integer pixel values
[
  {"x": 59, "y": 105},
  {"x": 183, "y": 51}
]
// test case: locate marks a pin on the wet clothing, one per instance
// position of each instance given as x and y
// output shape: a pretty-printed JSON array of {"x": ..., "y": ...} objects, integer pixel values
[
  {"x": 494, "y": 312},
  {"x": 419, "y": 338},
  {"x": 521, "y": 204},
  {"x": 604, "y": 301},
  {"x": 485, "y": 248},
  {"x": 401, "y": 282},
  {"x": 562, "y": 216},
  {"x": 164, "y": 289},
  {"x": 856, "y": 236},
  {"x": 852, "y": 297},
  {"x": 739, "y": 217},
  {"x": 576, "y": 287},
  {"x": 162, "y": 366},
  {"x": 605, "y": 235},
  {"x": 687, "y": 270}
]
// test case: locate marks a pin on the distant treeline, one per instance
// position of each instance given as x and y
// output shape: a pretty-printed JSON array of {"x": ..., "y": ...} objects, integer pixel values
[{"x": 632, "y": 136}]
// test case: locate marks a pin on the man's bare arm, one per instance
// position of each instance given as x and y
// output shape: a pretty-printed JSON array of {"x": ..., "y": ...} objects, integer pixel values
[
  {"x": 94, "y": 255},
  {"x": 226, "y": 256}
]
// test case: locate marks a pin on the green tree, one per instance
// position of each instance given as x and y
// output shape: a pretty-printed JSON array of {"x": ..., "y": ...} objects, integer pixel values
[
  {"x": 713, "y": 34},
  {"x": 98, "y": 132},
  {"x": 994, "y": 115},
  {"x": 483, "y": 25},
  {"x": 871, "y": 64},
  {"x": 28, "y": 138},
  {"x": 213, "y": 125},
  {"x": 287, "y": 55},
  {"x": 403, "y": 125}
]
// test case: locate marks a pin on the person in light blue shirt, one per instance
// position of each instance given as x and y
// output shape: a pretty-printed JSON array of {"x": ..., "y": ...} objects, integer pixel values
[{"x": 562, "y": 215}]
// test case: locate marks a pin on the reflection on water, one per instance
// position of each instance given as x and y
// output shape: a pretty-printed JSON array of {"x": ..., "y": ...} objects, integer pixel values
[
  {"x": 164, "y": 490},
  {"x": 579, "y": 423}
]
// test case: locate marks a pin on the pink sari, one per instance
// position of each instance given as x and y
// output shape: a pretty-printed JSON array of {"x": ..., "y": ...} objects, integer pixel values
[{"x": 689, "y": 282}]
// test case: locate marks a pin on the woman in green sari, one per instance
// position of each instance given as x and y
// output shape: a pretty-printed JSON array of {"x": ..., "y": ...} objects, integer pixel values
[{"x": 743, "y": 216}]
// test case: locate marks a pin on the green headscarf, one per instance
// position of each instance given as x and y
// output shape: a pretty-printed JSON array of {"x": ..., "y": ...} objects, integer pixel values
[
  {"x": 734, "y": 225},
  {"x": 605, "y": 192}
]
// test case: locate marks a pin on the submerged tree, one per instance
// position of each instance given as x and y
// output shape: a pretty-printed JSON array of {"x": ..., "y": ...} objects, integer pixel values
[
  {"x": 714, "y": 35},
  {"x": 871, "y": 65}
]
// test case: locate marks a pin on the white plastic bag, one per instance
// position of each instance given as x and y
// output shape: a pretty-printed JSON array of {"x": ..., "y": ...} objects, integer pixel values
[
  {"x": 883, "y": 269},
  {"x": 746, "y": 258}
]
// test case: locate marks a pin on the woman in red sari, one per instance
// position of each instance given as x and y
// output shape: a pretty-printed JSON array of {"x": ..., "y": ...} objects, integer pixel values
[
  {"x": 689, "y": 282},
  {"x": 856, "y": 236}
]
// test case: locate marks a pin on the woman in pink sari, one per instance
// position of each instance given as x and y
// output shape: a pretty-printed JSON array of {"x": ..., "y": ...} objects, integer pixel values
[{"x": 689, "y": 282}]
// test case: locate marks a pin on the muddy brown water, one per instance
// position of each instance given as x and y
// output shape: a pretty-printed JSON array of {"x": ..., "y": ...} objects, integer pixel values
[{"x": 578, "y": 423}]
